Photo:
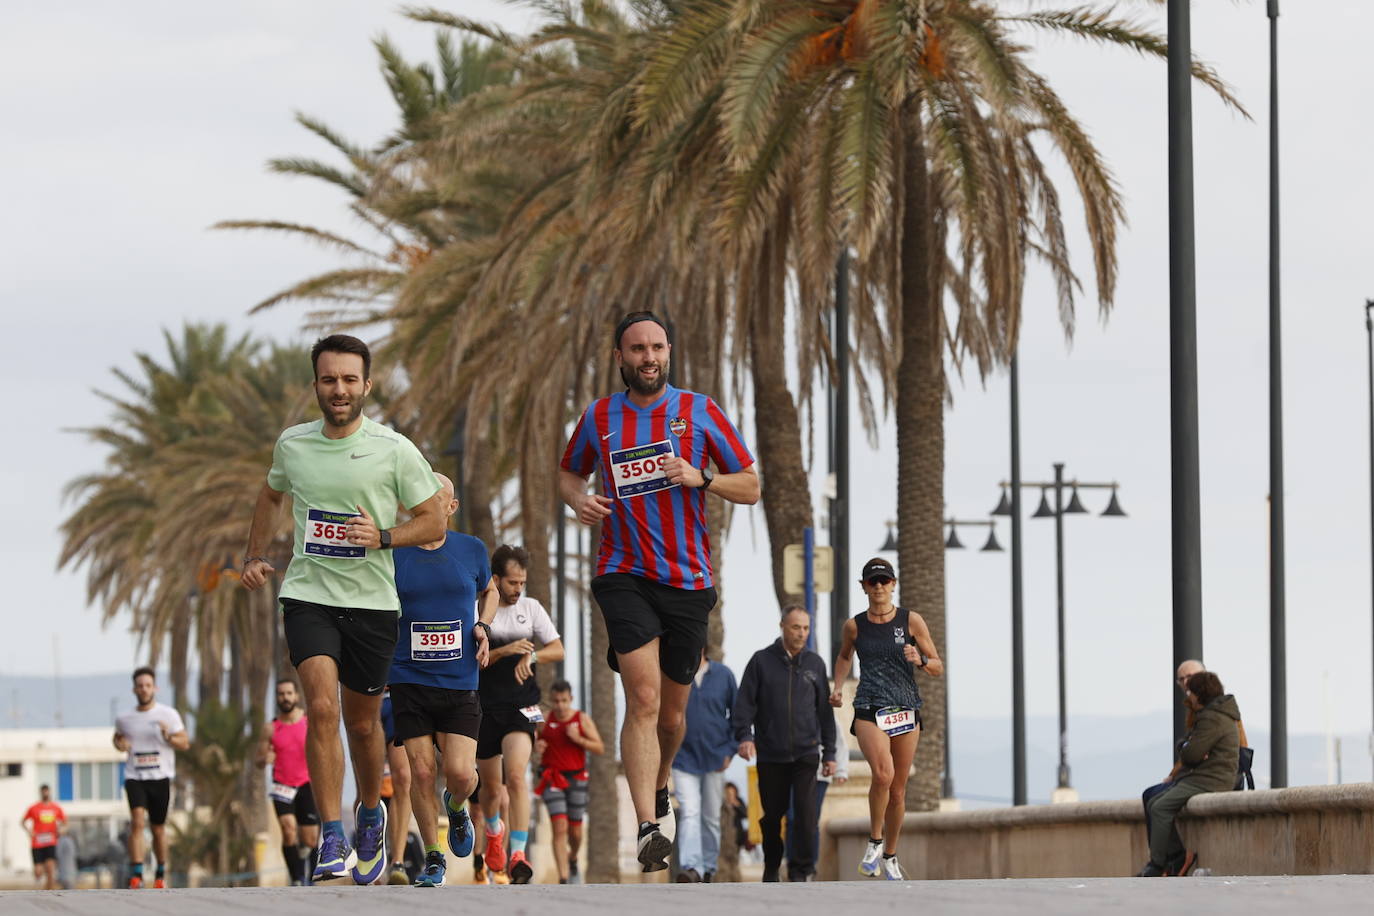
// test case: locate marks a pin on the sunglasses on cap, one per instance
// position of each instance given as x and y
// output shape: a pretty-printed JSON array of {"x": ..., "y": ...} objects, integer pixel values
[{"x": 878, "y": 580}]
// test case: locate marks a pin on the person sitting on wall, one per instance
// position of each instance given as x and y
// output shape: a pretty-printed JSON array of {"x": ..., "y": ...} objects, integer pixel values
[{"x": 1209, "y": 755}]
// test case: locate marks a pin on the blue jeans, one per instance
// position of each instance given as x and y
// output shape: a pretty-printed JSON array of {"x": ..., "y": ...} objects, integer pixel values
[{"x": 699, "y": 797}]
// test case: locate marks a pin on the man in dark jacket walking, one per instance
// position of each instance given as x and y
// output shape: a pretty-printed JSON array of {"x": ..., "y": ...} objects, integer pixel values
[
  {"x": 1208, "y": 758},
  {"x": 783, "y": 716}
]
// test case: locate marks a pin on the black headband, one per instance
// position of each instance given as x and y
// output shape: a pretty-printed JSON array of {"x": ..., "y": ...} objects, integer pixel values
[{"x": 636, "y": 318}]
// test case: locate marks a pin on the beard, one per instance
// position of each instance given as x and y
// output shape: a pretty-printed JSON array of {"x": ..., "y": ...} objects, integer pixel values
[
  {"x": 284, "y": 707},
  {"x": 639, "y": 385},
  {"x": 355, "y": 407}
]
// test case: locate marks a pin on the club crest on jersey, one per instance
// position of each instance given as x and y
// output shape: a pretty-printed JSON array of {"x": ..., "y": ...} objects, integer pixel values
[{"x": 677, "y": 426}]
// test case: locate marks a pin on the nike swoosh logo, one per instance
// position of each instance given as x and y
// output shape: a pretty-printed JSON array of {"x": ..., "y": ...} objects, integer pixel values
[
  {"x": 363, "y": 455},
  {"x": 607, "y": 436}
]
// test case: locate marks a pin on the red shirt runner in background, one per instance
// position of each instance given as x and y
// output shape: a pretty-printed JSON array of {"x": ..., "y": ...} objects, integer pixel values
[{"x": 46, "y": 817}]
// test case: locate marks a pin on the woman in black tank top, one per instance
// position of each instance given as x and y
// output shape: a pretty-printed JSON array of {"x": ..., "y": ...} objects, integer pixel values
[{"x": 894, "y": 647}]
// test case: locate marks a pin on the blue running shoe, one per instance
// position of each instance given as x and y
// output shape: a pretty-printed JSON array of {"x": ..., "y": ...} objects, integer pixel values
[
  {"x": 370, "y": 838},
  {"x": 336, "y": 858},
  {"x": 460, "y": 832},
  {"x": 433, "y": 874}
]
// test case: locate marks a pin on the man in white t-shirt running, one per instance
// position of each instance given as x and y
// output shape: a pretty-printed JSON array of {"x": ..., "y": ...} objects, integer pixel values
[
  {"x": 522, "y": 634},
  {"x": 346, "y": 475},
  {"x": 150, "y": 734}
]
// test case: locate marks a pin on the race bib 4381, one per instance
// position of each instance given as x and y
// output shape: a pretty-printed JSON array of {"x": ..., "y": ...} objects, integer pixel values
[
  {"x": 325, "y": 534},
  {"x": 639, "y": 470}
]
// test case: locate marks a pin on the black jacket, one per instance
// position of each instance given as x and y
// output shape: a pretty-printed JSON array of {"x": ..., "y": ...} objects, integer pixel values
[{"x": 783, "y": 706}]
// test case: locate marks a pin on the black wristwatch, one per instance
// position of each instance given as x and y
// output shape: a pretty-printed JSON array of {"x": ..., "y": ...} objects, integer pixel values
[
  {"x": 484, "y": 626},
  {"x": 706, "y": 478},
  {"x": 385, "y": 537}
]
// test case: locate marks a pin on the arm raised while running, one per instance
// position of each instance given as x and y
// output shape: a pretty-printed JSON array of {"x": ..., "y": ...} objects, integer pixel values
[
  {"x": 844, "y": 660},
  {"x": 588, "y": 507},
  {"x": 916, "y": 626},
  {"x": 256, "y": 568}
]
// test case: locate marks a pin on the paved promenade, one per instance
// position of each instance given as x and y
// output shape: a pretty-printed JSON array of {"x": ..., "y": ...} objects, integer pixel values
[{"x": 1214, "y": 896}]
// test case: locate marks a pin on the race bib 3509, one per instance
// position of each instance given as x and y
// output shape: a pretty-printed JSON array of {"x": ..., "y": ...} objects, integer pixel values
[
  {"x": 325, "y": 534},
  {"x": 436, "y": 640},
  {"x": 639, "y": 470}
]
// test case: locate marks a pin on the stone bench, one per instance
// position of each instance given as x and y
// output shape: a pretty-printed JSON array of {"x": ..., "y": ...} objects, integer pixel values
[{"x": 1310, "y": 830}]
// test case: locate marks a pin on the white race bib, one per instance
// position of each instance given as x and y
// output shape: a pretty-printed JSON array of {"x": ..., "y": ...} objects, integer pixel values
[
  {"x": 436, "y": 640},
  {"x": 147, "y": 760},
  {"x": 639, "y": 470},
  {"x": 895, "y": 720},
  {"x": 533, "y": 713},
  {"x": 325, "y": 533},
  {"x": 284, "y": 793}
]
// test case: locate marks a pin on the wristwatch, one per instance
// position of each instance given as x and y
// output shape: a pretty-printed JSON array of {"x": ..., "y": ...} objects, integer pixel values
[
  {"x": 385, "y": 536},
  {"x": 706, "y": 478},
  {"x": 484, "y": 626}
]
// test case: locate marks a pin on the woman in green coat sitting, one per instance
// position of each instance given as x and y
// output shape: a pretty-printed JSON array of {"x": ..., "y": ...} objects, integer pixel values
[{"x": 1210, "y": 755}]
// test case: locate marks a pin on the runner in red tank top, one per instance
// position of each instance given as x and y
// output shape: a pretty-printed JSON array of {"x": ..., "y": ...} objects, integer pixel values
[
  {"x": 565, "y": 738},
  {"x": 44, "y": 822},
  {"x": 284, "y": 749}
]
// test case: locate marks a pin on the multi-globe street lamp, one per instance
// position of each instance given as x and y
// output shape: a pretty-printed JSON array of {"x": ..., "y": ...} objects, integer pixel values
[{"x": 1064, "y": 792}]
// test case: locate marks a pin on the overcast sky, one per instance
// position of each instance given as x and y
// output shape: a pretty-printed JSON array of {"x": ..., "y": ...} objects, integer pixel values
[{"x": 133, "y": 127}]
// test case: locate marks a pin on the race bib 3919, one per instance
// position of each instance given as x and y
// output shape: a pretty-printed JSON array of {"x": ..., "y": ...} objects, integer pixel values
[{"x": 436, "y": 640}]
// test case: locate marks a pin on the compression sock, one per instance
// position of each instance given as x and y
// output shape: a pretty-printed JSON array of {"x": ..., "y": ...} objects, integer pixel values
[
  {"x": 292, "y": 855},
  {"x": 518, "y": 839},
  {"x": 161, "y": 871},
  {"x": 492, "y": 824},
  {"x": 135, "y": 869}
]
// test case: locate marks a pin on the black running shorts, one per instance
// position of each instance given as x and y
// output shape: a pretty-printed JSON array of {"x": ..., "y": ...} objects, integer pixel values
[
  {"x": 154, "y": 795},
  {"x": 870, "y": 714},
  {"x": 496, "y": 725},
  {"x": 360, "y": 640},
  {"x": 43, "y": 854},
  {"x": 420, "y": 711},
  {"x": 302, "y": 806},
  {"x": 638, "y": 610}
]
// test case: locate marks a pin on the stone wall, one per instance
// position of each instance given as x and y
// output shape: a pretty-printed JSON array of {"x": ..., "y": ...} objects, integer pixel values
[{"x": 1308, "y": 830}]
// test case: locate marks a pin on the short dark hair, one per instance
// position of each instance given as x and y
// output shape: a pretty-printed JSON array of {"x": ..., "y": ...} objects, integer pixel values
[
  {"x": 139, "y": 672},
  {"x": 45, "y": 788},
  {"x": 341, "y": 343},
  {"x": 636, "y": 318},
  {"x": 289, "y": 680},
  {"x": 1206, "y": 686},
  {"x": 501, "y": 559},
  {"x": 560, "y": 687}
]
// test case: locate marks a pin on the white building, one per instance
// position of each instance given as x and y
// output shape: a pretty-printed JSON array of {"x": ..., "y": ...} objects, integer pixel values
[{"x": 86, "y": 774}]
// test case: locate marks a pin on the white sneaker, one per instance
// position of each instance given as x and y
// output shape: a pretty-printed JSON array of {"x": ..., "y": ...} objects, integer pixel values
[
  {"x": 654, "y": 849},
  {"x": 891, "y": 870},
  {"x": 869, "y": 867},
  {"x": 666, "y": 814}
]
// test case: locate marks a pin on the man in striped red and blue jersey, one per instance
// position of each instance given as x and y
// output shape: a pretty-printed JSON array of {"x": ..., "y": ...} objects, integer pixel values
[{"x": 651, "y": 446}]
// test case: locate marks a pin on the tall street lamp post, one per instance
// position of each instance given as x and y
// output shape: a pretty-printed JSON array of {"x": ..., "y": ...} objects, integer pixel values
[
  {"x": 1369, "y": 332},
  {"x": 1064, "y": 791},
  {"x": 1278, "y": 634}
]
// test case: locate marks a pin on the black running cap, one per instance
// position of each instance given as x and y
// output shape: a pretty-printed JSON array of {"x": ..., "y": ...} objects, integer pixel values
[
  {"x": 878, "y": 567},
  {"x": 636, "y": 318}
]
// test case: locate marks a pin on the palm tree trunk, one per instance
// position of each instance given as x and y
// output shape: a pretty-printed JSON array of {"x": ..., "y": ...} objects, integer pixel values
[
  {"x": 920, "y": 448},
  {"x": 603, "y": 800},
  {"x": 536, "y": 504},
  {"x": 777, "y": 428}
]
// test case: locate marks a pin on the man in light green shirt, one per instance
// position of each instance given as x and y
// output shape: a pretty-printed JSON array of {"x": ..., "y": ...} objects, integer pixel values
[{"x": 346, "y": 476}]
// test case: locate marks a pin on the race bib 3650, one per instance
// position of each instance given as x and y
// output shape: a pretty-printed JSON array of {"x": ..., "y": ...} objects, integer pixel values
[{"x": 325, "y": 534}]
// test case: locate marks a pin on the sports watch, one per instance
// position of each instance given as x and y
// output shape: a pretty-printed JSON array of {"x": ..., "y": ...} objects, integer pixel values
[
  {"x": 385, "y": 537},
  {"x": 706, "y": 478}
]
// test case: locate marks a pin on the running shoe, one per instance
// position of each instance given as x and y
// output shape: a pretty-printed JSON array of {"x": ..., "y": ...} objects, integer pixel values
[
  {"x": 371, "y": 842},
  {"x": 398, "y": 875},
  {"x": 574, "y": 874},
  {"x": 135, "y": 882},
  {"x": 496, "y": 850},
  {"x": 500, "y": 877},
  {"x": 479, "y": 874},
  {"x": 654, "y": 849},
  {"x": 335, "y": 860},
  {"x": 520, "y": 870},
  {"x": 460, "y": 833},
  {"x": 667, "y": 817},
  {"x": 873, "y": 852},
  {"x": 433, "y": 874},
  {"x": 159, "y": 883},
  {"x": 891, "y": 870}
]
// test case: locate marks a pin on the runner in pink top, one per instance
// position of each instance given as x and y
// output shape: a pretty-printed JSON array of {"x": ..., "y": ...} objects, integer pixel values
[{"x": 284, "y": 749}]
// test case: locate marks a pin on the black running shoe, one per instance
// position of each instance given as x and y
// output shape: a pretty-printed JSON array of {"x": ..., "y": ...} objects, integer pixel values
[{"x": 654, "y": 848}]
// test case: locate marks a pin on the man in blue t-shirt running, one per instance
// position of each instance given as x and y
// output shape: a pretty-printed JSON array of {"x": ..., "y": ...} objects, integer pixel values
[{"x": 443, "y": 642}]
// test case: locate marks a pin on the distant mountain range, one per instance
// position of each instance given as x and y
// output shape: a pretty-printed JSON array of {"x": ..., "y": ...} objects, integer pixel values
[{"x": 1109, "y": 757}]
